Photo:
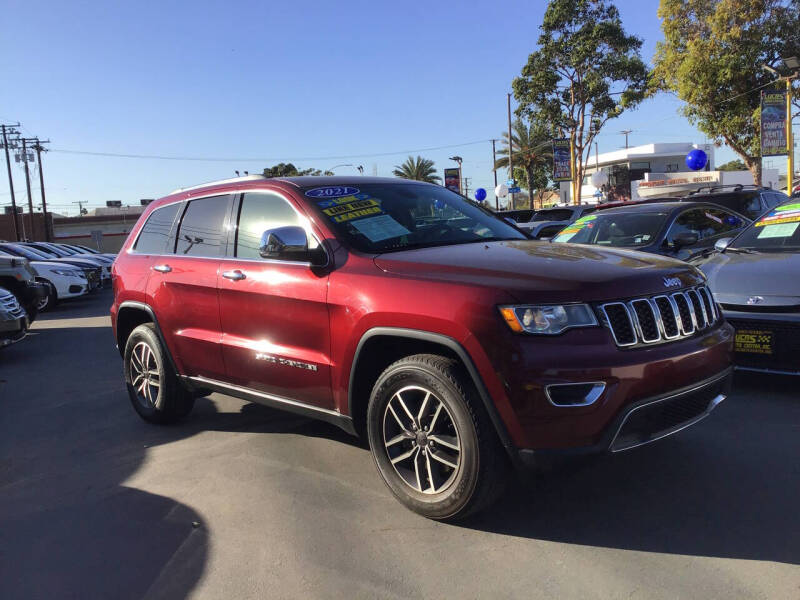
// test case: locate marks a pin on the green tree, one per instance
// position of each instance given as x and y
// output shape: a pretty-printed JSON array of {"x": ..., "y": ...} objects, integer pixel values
[
  {"x": 531, "y": 153},
  {"x": 586, "y": 71},
  {"x": 418, "y": 169},
  {"x": 289, "y": 170},
  {"x": 711, "y": 59},
  {"x": 733, "y": 165}
]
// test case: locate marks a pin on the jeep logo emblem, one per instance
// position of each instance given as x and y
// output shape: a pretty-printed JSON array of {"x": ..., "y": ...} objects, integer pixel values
[{"x": 671, "y": 282}]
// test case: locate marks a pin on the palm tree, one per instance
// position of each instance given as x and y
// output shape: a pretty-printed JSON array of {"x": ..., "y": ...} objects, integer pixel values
[
  {"x": 532, "y": 151},
  {"x": 418, "y": 169}
]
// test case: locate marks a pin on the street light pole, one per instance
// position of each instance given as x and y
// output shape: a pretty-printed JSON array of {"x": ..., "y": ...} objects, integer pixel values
[
  {"x": 510, "y": 150},
  {"x": 6, "y": 130},
  {"x": 494, "y": 170}
]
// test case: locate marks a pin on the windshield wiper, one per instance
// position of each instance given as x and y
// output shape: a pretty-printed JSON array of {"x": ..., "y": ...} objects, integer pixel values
[{"x": 742, "y": 250}]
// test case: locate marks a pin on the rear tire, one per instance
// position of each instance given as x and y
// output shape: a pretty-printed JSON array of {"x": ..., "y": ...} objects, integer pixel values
[
  {"x": 432, "y": 441},
  {"x": 153, "y": 386}
]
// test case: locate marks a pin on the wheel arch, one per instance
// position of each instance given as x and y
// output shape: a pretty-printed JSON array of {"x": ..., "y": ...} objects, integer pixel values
[
  {"x": 381, "y": 346},
  {"x": 130, "y": 315}
]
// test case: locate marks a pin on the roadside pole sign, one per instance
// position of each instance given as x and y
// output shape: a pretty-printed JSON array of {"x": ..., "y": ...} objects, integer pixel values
[
  {"x": 773, "y": 123},
  {"x": 562, "y": 160},
  {"x": 514, "y": 190},
  {"x": 511, "y": 182}
]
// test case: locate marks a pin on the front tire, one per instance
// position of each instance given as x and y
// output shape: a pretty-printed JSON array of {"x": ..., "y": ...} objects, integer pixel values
[
  {"x": 50, "y": 300},
  {"x": 431, "y": 439},
  {"x": 153, "y": 387}
]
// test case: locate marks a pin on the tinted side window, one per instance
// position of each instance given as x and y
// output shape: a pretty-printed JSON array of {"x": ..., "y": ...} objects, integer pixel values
[
  {"x": 695, "y": 221},
  {"x": 201, "y": 229},
  {"x": 154, "y": 234},
  {"x": 259, "y": 212}
]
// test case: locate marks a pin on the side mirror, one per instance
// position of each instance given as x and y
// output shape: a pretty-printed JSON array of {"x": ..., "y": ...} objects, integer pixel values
[
  {"x": 284, "y": 242},
  {"x": 720, "y": 245},
  {"x": 684, "y": 239}
]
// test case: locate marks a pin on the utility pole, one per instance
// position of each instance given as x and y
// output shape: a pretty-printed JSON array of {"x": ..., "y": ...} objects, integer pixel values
[
  {"x": 80, "y": 204},
  {"x": 625, "y": 132},
  {"x": 466, "y": 186},
  {"x": 510, "y": 150},
  {"x": 39, "y": 149},
  {"x": 12, "y": 130},
  {"x": 28, "y": 181}
]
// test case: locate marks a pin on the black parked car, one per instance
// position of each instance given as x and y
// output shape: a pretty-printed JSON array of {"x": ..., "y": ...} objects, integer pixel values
[
  {"x": 547, "y": 222},
  {"x": 748, "y": 200},
  {"x": 754, "y": 280},
  {"x": 677, "y": 229}
]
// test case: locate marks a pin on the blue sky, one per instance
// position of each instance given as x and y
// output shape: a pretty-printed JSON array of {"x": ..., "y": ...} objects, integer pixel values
[{"x": 305, "y": 82}]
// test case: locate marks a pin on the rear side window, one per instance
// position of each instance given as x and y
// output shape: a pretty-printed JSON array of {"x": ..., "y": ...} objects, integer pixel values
[
  {"x": 201, "y": 230},
  {"x": 558, "y": 214},
  {"x": 153, "y": 238}
]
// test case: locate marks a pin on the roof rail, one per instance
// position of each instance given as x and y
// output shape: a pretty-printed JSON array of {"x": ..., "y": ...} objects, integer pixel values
[
  {"x": 737, "y": 187},
  {"x": 219, "y": 182}
]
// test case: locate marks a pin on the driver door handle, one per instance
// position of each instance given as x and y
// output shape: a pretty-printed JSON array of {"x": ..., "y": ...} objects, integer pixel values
[
  {"x": 235, "y": 275},
  {"x": 162, "y": 268}
]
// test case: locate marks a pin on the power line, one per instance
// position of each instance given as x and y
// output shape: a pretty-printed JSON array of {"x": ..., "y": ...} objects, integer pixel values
[{"x": 263, "y": 159}]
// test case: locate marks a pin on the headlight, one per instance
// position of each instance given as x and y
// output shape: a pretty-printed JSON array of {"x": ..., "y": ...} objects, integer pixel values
[
  {"x": 549, "y": 319},
  {"x": 69, "y": 273}
]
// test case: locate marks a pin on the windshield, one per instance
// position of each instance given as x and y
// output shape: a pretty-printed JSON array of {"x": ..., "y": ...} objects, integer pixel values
[
  {"x": 389, "y": 217},
  {"x": 778, "y": 230},
  {"x": 26, "y": 252},
  {"x": 623, "y": 230},
  {"x": 555, "y": 214}
]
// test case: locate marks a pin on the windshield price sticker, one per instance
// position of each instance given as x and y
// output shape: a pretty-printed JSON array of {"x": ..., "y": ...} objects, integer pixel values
[
  {"x": 382, "y": 227},
  {"x": 332, "y": 191},
  {"x": 778, "y": 230},
  {"x": 780, "y": 216},
  {"x": 585, "y": 219}
]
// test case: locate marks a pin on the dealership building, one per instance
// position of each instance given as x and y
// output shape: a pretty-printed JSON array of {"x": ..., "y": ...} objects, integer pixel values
[{"x": 655, "y": 170}]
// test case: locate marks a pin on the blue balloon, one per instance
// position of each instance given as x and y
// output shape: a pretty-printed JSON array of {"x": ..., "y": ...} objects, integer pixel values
[
  {"x": 696, "y": 160},
  {"x": 480, "y": 194}
]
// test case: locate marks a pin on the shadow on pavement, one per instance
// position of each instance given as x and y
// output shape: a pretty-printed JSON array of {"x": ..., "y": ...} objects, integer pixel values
[
  {"x": 68, "y": 528},
  {"x": 728, "y": 487}
]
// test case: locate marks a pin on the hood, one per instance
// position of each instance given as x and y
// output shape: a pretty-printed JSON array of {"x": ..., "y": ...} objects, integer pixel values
[
  {"x": 543, "y": 272},
  {"x": 79, "y": 262},
  {"x": 736, "y": 277}
]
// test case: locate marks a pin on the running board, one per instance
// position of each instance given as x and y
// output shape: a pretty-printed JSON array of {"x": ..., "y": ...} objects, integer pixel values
[{"x": 278, "y": 402}]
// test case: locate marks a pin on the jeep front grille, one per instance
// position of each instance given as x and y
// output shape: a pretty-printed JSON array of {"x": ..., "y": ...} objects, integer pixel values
[
  {"x": 661, "y": 318},
  {"x": 11, "y": 306}
]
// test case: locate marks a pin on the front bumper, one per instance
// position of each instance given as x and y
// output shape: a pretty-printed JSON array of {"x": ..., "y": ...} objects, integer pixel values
[
  {"x": 651, "y": 419},
  {"x": 13, "y": 330},
  {"x": 627, "y": 378}
]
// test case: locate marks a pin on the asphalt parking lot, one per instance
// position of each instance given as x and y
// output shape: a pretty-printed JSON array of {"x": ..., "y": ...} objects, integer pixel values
[{"x": 240, "y": 501}]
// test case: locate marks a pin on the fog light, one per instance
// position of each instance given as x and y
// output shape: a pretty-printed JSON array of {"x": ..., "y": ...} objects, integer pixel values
[{"x": 574, "y": 394}]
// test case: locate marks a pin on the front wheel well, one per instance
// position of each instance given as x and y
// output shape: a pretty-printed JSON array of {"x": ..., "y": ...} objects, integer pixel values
[
  {"x": 128, "y": 319},
  {"x": 377, "y": 353}
]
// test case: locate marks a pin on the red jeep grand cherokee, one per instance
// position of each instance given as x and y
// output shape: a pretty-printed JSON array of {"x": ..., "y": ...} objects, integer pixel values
[{"x": 400, "y": 310}]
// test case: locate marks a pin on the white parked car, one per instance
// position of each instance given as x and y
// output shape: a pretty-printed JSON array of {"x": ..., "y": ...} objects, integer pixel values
[{"x": 62, "y": 280}]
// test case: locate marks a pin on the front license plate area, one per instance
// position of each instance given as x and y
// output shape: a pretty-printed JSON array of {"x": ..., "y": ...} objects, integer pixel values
[{"x": 754, "y": 341}]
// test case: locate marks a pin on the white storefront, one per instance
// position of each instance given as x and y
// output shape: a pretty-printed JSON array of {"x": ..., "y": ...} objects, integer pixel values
[{"x": 656, "y": 170}]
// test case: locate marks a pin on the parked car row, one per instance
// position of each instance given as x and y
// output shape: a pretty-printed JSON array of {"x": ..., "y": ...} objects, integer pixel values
[
  {"x": 750, "y": 265},
  {"x": 63, "y": 270}
]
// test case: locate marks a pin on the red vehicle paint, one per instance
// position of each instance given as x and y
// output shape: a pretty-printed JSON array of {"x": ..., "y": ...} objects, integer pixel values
[{"x": 312, "y": 336}]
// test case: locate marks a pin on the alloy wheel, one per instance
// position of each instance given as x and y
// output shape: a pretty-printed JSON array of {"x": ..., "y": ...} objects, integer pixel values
[
  {"x": 145, "y": 378},
  {"x": 421, "y": 440}
]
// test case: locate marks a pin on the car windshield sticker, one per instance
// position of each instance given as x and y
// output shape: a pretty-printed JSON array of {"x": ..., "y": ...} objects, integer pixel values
[
  {"x": 381, "y": 227},
  {"x": 793, "y": 206},
  {"x": 348, "y": 211},
  {"x": 779, "y": 230},
  {"x": 332, "y": 191},
  {"x": 585, "y": 219},
  {"x": 785, "y": 215}
]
